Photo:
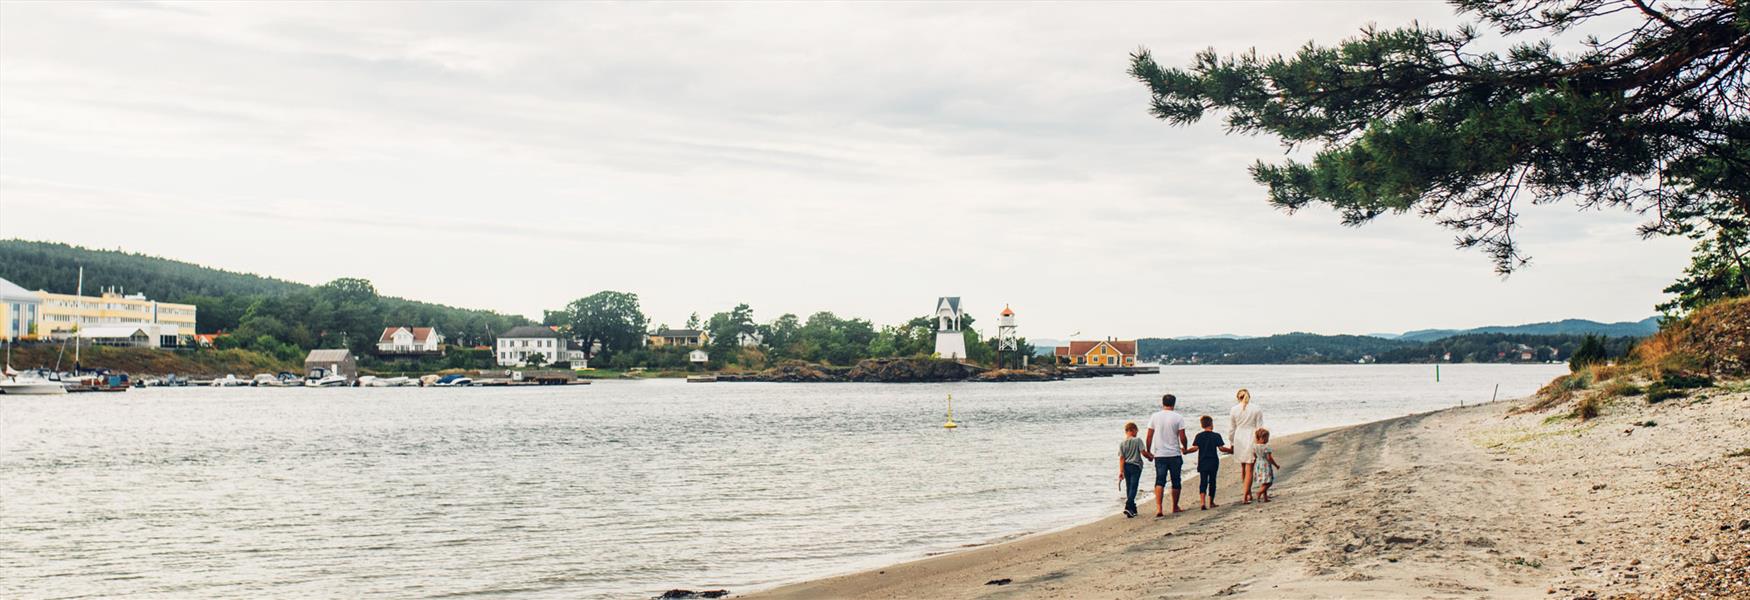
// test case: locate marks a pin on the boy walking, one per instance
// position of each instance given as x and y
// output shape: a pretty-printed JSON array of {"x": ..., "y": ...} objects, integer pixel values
[
  {"x": 1208, "y": 446},
  {"x": 1166, "y": 447},
  {"x": 1130, "y": 467}
]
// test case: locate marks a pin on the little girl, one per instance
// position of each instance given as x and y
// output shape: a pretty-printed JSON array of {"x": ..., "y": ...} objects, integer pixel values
[{"x": 1264, "y": 463}]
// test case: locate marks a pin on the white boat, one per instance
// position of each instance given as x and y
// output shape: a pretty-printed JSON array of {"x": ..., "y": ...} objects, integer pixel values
[
  {"x": 26, "y": 384},
  {"x": 29, "y": 385},
  {"x": 329, "y": 381},
  {"x": 374, "y": 381},
  {"x": 229, "y": 381},
  {"x": 266, "y": 380},
  {"x": 454, "y": 381}
]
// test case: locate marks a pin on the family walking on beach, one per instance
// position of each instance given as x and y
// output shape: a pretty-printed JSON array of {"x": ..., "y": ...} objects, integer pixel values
[{"x": 1165, "y": 444}]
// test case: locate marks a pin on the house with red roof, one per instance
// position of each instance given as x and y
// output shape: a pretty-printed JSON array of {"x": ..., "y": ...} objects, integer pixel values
[
  {"x": 1098, "y": 353},
  {"x": 410, "y": 340}
]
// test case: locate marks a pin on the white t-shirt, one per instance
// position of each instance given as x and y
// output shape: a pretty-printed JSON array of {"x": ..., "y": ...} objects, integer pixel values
[{"x": 1167, "y": 425}]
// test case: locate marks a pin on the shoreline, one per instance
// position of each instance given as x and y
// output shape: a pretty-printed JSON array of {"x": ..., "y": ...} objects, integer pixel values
[
  {"x": 1289, "y": 447},
  {"x": 1458, "y": 502}
]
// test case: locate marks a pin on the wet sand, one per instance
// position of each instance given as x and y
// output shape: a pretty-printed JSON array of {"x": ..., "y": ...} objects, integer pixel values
[{"x": 1462, "y": 503}]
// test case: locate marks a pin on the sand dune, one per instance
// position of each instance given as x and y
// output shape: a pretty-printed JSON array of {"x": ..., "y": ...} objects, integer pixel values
[{"x": 1462, "y": 503}]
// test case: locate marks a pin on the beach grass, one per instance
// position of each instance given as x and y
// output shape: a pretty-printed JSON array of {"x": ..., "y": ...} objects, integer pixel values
[{"x": 1512, "y": 437}]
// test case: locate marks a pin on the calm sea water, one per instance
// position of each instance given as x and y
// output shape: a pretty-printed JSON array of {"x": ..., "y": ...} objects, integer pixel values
[{"x": 619, "y": 489}]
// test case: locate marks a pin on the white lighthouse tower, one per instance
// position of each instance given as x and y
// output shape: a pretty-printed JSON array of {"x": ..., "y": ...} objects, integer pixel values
[
  {"x": 1007, "y": 341},
  {"x": 950, "y": 342}
]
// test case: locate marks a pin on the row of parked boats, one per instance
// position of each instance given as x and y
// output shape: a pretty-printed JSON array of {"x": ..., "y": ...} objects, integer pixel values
[
  {"x": 293, "y": 380},
  {"x": 42, "y": 383}
]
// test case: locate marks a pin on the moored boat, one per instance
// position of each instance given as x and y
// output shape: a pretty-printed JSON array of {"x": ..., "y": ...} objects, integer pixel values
[
  {"x": 374, "y": 381},
  {"x": 105, "y": 381},
  {"x": 329, "y": 381},
  {"x": 29, "y": 384},
  {"x": 454, "y": 381}
]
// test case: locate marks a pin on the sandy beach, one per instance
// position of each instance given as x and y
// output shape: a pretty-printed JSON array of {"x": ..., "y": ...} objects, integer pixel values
[{"x": 1645, "y": 501}]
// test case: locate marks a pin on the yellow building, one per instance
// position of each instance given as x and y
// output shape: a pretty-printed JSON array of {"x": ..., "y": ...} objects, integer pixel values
[
  {"x": 61, "y": 314},
  {"x": 1101, "y": 353},
  {"x": 679, "y": 337}
]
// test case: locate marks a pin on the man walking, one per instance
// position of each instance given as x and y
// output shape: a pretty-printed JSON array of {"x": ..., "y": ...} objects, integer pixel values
[{"x": 1165, "y": 445}]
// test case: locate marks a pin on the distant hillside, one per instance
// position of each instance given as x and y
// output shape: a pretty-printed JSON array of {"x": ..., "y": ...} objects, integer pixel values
[
  {"x": 295, "y": 315},
  {"x": 1288, "y": 348},
  {"x": 55, "y": 267},
  {"x": 1642, "y": 328},
  {"x": 1046, "y": 346},
  {"x": 1308, "y": 348}
]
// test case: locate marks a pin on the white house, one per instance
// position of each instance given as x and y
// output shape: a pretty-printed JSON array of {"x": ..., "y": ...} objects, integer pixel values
[
  {"x": 750, "y": 339},
  {"x": 517, "y": 345},
  {"x": 575, "y": 353},
  {"x": 409, "y": 340}
]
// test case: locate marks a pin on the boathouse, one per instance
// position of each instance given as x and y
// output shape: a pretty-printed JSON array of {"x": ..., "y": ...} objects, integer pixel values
[{"x": 322, "y": 363}]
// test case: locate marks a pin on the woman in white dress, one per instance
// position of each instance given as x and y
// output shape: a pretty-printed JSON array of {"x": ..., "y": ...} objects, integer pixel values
[{"x": 1244, "y": 421}]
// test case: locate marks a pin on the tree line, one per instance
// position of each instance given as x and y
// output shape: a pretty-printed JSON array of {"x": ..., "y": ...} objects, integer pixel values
[
  {"x": 1308, "y": 348},
  {"x": 613, "y": 326}
]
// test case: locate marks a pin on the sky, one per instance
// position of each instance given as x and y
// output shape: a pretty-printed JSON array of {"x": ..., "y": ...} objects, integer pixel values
[{"x": 858, "y": 158}]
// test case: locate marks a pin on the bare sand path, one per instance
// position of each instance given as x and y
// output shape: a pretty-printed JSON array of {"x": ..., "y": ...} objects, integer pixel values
[{"x": 1463, "y": 503}]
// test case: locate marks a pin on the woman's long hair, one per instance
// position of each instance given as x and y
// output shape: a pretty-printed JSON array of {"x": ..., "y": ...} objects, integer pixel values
[{"x": 1244, "y": 397}]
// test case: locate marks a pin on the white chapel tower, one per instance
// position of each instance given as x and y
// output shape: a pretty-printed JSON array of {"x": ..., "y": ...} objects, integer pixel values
[{"x": 950, "y": 342}]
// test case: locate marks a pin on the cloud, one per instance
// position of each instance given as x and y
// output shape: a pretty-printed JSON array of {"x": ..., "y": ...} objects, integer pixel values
[{"x": 858, "y": 158}]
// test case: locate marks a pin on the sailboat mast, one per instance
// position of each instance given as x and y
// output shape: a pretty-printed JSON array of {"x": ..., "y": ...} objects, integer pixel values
[{"x": 79, "y": 291}]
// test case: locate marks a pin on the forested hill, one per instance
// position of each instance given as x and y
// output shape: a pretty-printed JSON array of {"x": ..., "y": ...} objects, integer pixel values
[
  {"x": 1308, "y": 348},
  {"x": 1275, "y": 349},
  {"x": 292, "y": 316},
  {"x": 1642, "y": 328},
  {"x": 55, "y": 268}
]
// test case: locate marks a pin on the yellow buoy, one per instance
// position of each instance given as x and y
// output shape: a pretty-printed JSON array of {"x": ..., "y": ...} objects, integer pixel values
[{"x": 950, "y": 424}]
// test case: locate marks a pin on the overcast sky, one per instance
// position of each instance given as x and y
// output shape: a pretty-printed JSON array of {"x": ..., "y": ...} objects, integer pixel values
[{"x": 863, "y": 159}]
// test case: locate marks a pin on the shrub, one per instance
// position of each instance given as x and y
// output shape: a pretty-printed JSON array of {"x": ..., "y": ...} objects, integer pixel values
[
  {"x": 1714, "y": 339},
  {"x": 1560, "y": 390},
  {"x": 1589, "y": 406},
  {"x": 1679, "y": 362},
  {"x": 1659, "y": 392},
  {"x": 1603, "y": 373},
  {"x": 1622, "y": 388},
  {"x": 1655, "y": 348},
  {"x": 1685, "y": 381},
  {"x": 1591, "y": 352}
]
